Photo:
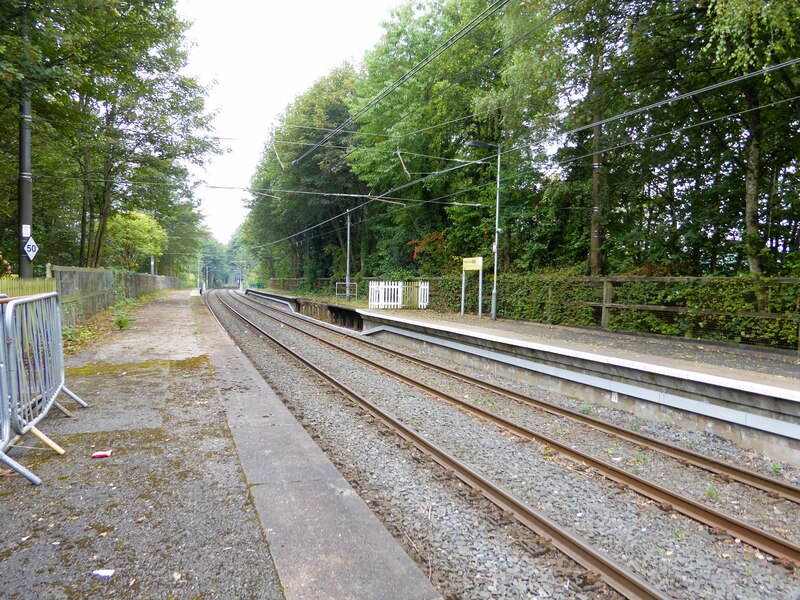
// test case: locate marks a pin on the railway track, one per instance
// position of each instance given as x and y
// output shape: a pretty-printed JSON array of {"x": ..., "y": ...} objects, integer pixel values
[
  {"x": 780, "y": 548},
  {"x": 707, "y": 463},
  {"x": 616, "y": 575}
]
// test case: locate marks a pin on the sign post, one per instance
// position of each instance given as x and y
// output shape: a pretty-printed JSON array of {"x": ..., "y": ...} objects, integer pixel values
[{"x": 474, "y": 263}]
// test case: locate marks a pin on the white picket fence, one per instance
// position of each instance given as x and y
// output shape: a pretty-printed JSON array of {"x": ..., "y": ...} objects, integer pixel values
[{"x": 399, "y": 294}]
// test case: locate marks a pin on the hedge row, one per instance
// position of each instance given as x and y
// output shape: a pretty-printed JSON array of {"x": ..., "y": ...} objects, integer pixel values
[{"x": 751, "y": 310}]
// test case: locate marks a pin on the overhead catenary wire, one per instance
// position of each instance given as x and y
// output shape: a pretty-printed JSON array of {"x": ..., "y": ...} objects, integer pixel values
[
  {"x": 703, "y": 90},
  {"x": 371, "y": 199},
  {"x": 607, "y": 120},
  {"x": 468, "y": 163},
  {"x": 258, "y": 191},
  {"x": 451, "y": 41},
  {"x": 372, "y": 149},
  {"x": 444, "y": 171},
  {"x": 496, "y": 53},
  {"x": 566, "y": 162}
]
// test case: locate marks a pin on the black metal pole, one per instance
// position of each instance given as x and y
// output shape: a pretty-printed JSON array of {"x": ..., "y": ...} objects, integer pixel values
[{"x": 25, "y": 187}]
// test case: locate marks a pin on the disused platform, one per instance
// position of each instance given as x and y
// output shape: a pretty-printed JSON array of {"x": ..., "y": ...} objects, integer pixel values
[{"x": 750, "y": 396}]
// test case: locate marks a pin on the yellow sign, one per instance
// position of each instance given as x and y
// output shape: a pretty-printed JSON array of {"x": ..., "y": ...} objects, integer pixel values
[{"x": 473, "y": 264}]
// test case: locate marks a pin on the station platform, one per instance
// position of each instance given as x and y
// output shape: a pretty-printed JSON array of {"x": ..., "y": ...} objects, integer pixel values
[
  {"x": 748, "y": 395},
  {"x": 211, "y": 488},
  {"x": 780, "y": 368}
]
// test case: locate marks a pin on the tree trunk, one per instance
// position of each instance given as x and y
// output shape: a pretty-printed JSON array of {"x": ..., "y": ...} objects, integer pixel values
[
  {"x": 772, "y": 241},
  {"x": 341, "y": 232},
  {"x": 364, "y": 242},
  {"x": 85, "y": 163},
  {"x": 269, "y": 261},
  {"x": 599, "y": 188},
  {"x": 102, "y": 224},
  {"x": 99, "y": 236},
  {"x": 297, "y": 258},
  {"x": 753, "y": 242},
  {"x": 87, "y": 200},
  {"x": 90, "y": 240}
]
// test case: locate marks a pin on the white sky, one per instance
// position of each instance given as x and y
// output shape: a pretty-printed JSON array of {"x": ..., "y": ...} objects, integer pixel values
[{"x": 262, "y": 54}]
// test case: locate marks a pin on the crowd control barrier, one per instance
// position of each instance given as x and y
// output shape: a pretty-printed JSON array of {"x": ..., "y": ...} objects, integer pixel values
[
  {"x": 32, "y": 370},
  {"x": 5, "y": 426}
]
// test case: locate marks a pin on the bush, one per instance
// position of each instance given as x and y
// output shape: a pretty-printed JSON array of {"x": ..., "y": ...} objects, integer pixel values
[{"x": 742, "y": 304}]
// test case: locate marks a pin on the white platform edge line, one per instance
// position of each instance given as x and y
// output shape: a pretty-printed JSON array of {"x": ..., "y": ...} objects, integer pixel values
[
  {"x": 736, "y": 384},
  {"x": 720, "y": 413}
]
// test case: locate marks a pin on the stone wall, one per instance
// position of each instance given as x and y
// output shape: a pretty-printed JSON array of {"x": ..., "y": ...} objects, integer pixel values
[{"x": 87, "y": 291}]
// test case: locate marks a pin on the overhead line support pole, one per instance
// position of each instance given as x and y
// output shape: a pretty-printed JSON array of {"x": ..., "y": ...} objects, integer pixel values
[
  {"x": 496, "y": 237},
  {"x": 347, "y": 276}
]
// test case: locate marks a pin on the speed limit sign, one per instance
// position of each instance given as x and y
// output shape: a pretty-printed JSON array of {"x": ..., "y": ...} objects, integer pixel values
[{"x": 31, "y": 248}]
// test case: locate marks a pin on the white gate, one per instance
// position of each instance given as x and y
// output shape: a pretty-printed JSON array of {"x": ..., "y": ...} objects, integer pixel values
[{"x": 399, "y": 294}]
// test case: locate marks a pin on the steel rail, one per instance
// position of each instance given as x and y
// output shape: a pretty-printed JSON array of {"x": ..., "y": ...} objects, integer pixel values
[
  {"x": 768, "y": 542},
  {"x": 619, "y": 577},
  {"x": 707, "y": 463}
]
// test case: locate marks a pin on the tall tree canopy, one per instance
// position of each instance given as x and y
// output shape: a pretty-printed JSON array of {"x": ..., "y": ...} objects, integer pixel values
[
  {"x": 133, "y": 238},
  {"x": 115, "y": 121},
  {"x": 636, "y": 136}
]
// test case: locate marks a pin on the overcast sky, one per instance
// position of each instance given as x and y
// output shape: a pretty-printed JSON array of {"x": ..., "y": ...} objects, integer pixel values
[{"x": 262, "y": 55}]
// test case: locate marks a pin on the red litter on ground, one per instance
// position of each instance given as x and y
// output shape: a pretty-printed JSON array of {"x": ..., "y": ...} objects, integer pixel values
[{"x": 102, "y": 454}]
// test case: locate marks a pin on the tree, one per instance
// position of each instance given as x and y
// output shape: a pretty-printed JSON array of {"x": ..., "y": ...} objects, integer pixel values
[
  {"x": 627, "y": 146},
  {"x": 114, "y": 117},
  {"x": 322, "y": 187},
  {"x": 134, "y": 237},
  {"x": 748, "y": 36}
]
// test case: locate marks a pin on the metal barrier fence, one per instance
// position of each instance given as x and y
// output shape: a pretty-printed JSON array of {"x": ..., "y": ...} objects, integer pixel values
[
  {"x": 32, "y": 371},
  {"x": 5, "y": 422},
  {"x": 349, "y": 291}
]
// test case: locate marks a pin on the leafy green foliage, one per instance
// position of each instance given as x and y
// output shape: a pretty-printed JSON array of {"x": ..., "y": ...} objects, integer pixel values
[
  {"x": 134, "y": 237},
  {"x": 750, "y": 310},
  {"x": 114, "y": 122},
  {"x": 707, "y": 185}
]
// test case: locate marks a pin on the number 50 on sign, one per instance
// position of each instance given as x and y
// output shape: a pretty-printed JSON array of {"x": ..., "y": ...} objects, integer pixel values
[{"x": 31, "y": 248}]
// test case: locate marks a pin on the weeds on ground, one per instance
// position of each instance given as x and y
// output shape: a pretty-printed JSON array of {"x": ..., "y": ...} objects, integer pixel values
[
  {"x": 94, "y": 326},
  {"x": 712, "y": 493},
  {"x": 76, "y": 336}
]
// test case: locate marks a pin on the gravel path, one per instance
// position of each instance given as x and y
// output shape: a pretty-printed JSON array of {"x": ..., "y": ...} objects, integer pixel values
[
  {"x": 672, "y": 551},
  {"x": 168, "y": 511}
]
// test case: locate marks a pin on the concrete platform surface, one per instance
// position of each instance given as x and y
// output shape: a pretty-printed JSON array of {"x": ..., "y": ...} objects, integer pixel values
[
  {"x": 212, "y": 489},
  {"x": 743, "y": 363}
]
